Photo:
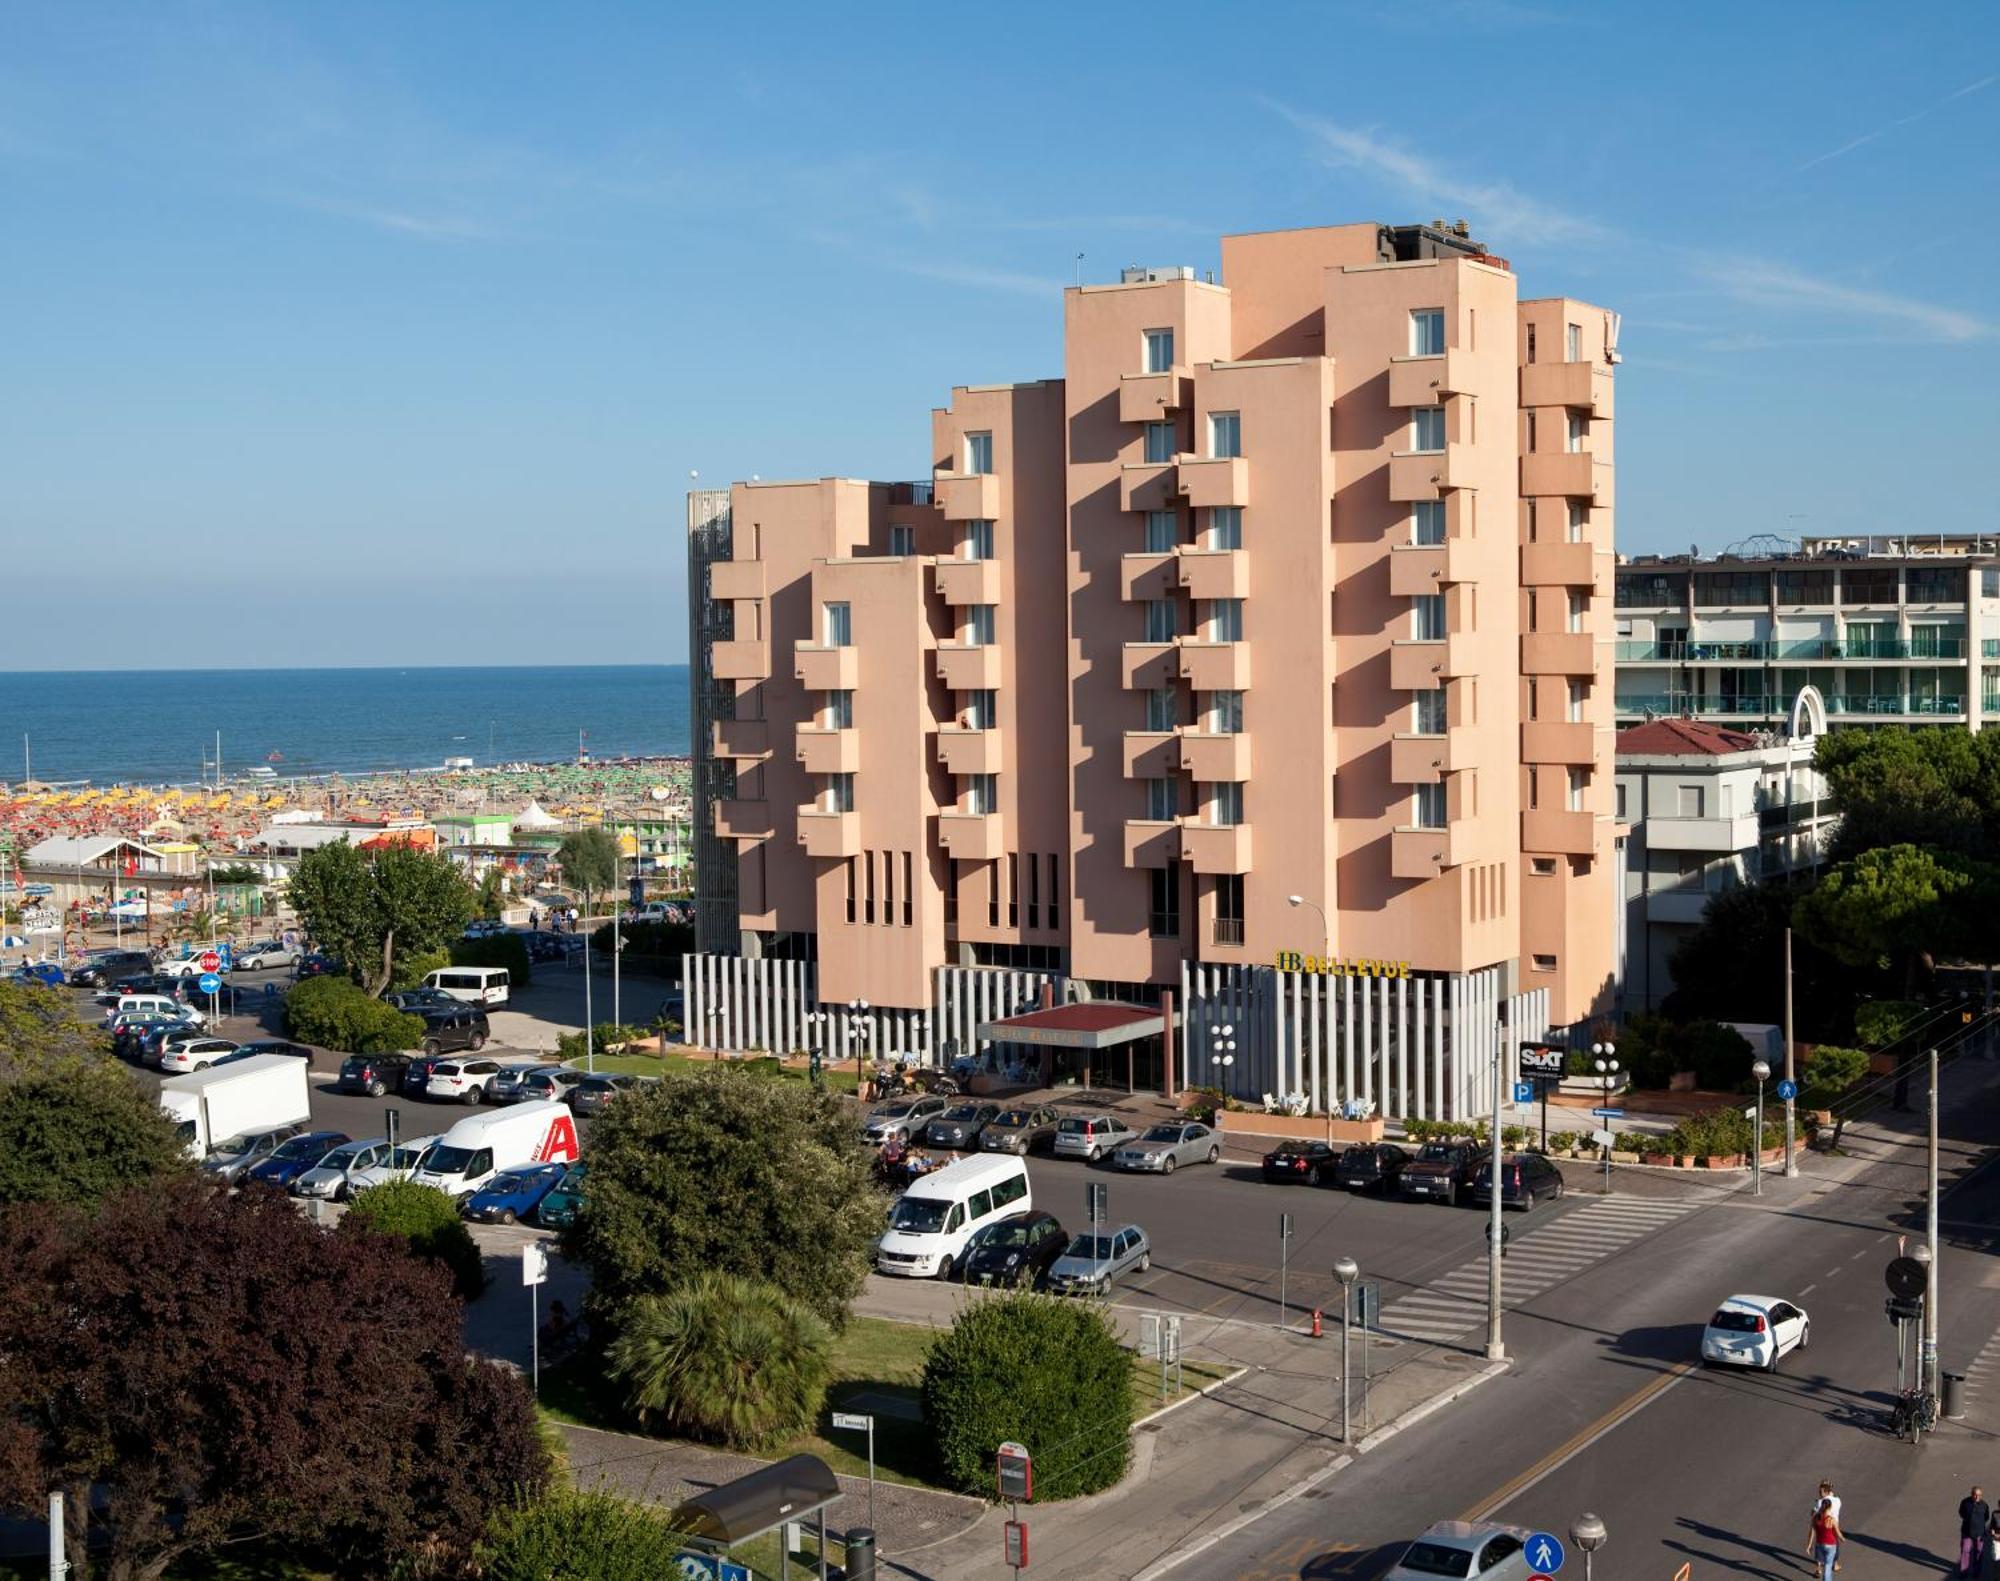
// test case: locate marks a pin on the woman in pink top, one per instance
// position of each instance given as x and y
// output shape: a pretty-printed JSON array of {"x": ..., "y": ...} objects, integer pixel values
[{"x": 1823, "y": 1541}]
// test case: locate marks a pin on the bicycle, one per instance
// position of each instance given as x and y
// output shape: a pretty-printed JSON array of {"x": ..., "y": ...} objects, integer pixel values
[{"x": 1915, "y": 1411}]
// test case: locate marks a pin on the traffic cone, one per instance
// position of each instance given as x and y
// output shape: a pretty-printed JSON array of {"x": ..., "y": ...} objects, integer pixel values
[{"x": 1315, "y": 1333}]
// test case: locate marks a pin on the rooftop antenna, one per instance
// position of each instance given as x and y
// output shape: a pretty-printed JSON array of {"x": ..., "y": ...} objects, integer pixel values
[{"x": 1079, "y": 271}]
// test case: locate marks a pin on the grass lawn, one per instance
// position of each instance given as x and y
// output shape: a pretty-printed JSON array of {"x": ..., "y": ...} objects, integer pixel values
[
  {"x": 1146, "y": 1398},
  {"x": 672, "y": 1064}
]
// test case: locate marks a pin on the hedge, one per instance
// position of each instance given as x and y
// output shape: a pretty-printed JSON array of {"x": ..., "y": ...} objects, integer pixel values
[
  {"x": 428, "y": 1220},
  {"x": 496, "y": 949},
  {"x": 335, "y": 1014}
]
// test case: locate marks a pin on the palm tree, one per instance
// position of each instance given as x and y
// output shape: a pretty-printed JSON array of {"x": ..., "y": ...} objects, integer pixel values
[{"x": 724, "y": 1358}]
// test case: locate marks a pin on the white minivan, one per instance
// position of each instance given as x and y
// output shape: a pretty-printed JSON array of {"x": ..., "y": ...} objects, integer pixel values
[
  {"x": 154, "y": 1005},
  {"x": 472, "y": 985},
  {"x": 931, "y": 1222},
  {"x": 475, "y": 1150}
]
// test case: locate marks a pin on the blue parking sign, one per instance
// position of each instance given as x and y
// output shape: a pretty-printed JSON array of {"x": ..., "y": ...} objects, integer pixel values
[
  {"x": 1545, "y": 1552},
  {"x": 1524, "y": 1092}
]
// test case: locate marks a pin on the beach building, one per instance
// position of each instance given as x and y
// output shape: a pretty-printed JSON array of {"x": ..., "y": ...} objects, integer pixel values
[
  {"x": 98, "y": 867},
  {"x": 473, "y": 828},
  {"x": 1250, "y": 682}
]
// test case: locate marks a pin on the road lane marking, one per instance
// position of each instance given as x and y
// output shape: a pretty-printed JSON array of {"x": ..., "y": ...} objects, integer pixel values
[
  {"x": 1809, "y": 1289},
  {"x": 1581, "y": 1440}
]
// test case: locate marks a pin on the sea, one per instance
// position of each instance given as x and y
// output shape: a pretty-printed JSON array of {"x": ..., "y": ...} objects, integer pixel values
[{"x": 154, "y": 727}]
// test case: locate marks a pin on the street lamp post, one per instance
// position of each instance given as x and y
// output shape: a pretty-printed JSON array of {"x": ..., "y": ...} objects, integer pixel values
[
  {"x": 1607, "y": 1070},
  {"x": 1346, "y": 1270},
  {"x": 1222, "y": 1053},
  {"x": 864, "y": 1029},
  {"x": 1325, "y": 937},
  {"x": 1588, "y": 1533},
  {"x": 1762, "y": 1071}
]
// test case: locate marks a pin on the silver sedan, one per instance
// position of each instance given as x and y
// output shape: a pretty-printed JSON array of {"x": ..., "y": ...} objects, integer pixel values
[
  {"x": 1091, "y": 1262},
  {"x": 1164, "y": 1148}
]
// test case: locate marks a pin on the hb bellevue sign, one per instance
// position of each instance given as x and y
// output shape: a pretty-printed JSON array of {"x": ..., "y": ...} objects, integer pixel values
[{"x": 1293, "y": 961}]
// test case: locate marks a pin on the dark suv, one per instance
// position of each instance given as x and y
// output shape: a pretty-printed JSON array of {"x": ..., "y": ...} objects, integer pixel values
[
  {"x": 1441, "y": 1171},
  {"x": 373, "y": 1074},
  {"x": 107, "y": 968},
  {"x": 1525, "y": 1178},
  {"x": 448, "y": 1029}
]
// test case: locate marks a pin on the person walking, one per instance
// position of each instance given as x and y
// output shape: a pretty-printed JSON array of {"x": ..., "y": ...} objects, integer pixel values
[
  {"x": 1975, "y": 1520},
  {"x": 1987, "y": 1562},
  {"x": 1823, "y": 1539},
  {"x": 1827, "y": 1496}
]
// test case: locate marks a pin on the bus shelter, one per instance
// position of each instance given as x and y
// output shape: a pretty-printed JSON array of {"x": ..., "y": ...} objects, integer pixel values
[{"x": 796, "y": 1488}]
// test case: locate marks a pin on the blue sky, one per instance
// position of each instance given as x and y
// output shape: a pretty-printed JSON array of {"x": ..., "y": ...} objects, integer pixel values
[{"x": 390, "y": 333}]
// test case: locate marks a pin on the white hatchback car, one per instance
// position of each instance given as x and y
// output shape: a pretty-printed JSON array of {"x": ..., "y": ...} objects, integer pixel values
[{"x": 1755, "y": 1331}]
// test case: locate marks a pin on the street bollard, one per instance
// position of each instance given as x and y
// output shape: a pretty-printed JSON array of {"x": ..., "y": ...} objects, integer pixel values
[{"x": 1316, "y": 1329}]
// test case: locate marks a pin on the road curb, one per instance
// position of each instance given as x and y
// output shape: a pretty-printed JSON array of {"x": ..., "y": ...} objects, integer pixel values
[
  {"x": 1188, "y": 1399},
  {"x": 1417, "y": 1413}
]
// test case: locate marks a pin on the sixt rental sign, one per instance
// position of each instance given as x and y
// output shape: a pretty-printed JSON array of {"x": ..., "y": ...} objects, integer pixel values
[{"x": 1293, "y": 961}]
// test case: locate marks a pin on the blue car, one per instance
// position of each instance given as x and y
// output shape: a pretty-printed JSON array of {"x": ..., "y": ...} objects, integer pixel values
[
  {"x": 514, "y": 1194},
  {"x": 294, "y": 1158},
  {"x": 47, "y": 973}
]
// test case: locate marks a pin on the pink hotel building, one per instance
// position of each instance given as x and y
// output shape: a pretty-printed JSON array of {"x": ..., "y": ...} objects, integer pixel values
[{"x": 1255, "y": 676}]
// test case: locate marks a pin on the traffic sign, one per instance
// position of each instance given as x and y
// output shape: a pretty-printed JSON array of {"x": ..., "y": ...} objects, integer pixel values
[
  {"x": 1017, "y": 1544},
  {"x": 1905, "y": 1277},
  {"x": 692, "y": 1566},
  {"x": 1609, "y": 1114},
  {"x": 1524, "y": 1092},
  {"x": 1787, "y": 1090},
  {"x": 1016, "y": 1470},
  {"x": 209, "y": 983},
  {"x": 210, "y": 961},
  {"x": 228, "y": 955},
  {"x": 1541, "y": 1578},
  {"x": 535, "y": 1263},
  {"x": 851, "y": 1422},
  {"x": 1545, "y": 1552}
]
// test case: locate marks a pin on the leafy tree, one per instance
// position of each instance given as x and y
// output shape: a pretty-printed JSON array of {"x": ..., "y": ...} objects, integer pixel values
[
  {"x": 333, "y": 1013},
  {"x": 1890, "y": 907},
  {"x": 715, "y": 1170},
  {"x": 412, "y": 969},
  {"x": 491, "y": 897},
  {"x": 37, "y": 1024},
  {"x": 428, "y": 1222},
  {"x": 341, "y": 1416},
  {"x": 724, "y": 1358},
  {"x": 658, "y": 945},
  {"x": 581, "y": 1535},
  {"x": 1655, "y": 1049},
  {"x": 1881, "y": 1022},
  {"x": 367, "y": 907},
  {"x": 76, "y": 1130},
  {"x": 499, "y": 949},
  {"x": 1039, "y": 1371},
  {"x": 589, "y": 860},
  {"x": 1910, "y": 787},
  {"x": 241, "y": 873},
  {"x": 1733, "y": 966},
  {"x": 1829, "y": 1072}
]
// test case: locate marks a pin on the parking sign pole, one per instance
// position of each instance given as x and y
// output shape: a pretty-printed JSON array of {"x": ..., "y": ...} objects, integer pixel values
[{"x": 1284, "y": 1258}]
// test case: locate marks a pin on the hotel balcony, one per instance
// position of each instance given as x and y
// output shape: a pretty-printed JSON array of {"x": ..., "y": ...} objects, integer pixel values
[
  {"x": 1575, "y": 473},
  {"x": 968, "y": 496},
  {"x": 736, "y": 819},
  {"x": 1215, "y": 847},
  {"x": 1425, "y": 381},
  {"x": 823, "y": 669},
  {"x": 1151, "y": 754},
  {"x": 1151, "y": 842},
  {"x": 735, "y": 579},
  {"x": 1558, "y": 653},
  {"x": 1212, "y": 755},
  {"x": 971, "y": 836},
  {"x": 1558, "y": 741},
  {"x": 1416, "y": 666},
  {"x": 1559, "y": 832},
  {"x": 1215, "y": 480},
  {"x": 1215, "y": 666},
  {"x": 1143, "y": 577},
  {"x": 1583, "y": 386},
  {"x": 746, "y": 660},
  {"x": 1424, "y": 853},
  {"x": 740, "y": 738},
  {"x": 1417, "y": 569},
  {"x": 1423, "y": 760},
  {"x": 1561, "y": 564},
  {"x": 1215, "y": 573},
  {"x": 824, "y": 833},
  {"x": 823, "y": 751},
  {"x": 964, "y": 751},
  {"x": 1738, "y": 832},
  {"x": 1147, "y": 486},
  {"x": 969, "y": 667},
  {"x": 1424, "y": 474},
  {"x": 1148, "y": 397},
  {"x": 968, "y": 581},
  {"x": 1146, "y": 665}
]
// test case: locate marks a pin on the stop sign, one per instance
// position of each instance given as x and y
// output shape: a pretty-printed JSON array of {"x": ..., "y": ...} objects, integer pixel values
[{"x": 210, "y": 961}]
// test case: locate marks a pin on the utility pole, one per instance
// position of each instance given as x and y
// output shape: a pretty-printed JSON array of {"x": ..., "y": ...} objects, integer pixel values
[
  {"x": 1791, "y": 1075},
  {"x": 1927, "y": 1374},
  {"x": 1496, "y": 1349}
]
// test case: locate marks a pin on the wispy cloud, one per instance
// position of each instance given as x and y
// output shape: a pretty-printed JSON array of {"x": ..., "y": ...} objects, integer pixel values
[
  {"x": 1763, "y": 283},
  {"x": 949, "y": 271},
  {"x": 1884, "y": 130}
]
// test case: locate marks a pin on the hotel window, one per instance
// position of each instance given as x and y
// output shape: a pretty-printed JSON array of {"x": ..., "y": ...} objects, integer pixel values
[
  {"x": 979, "y": 625},
  {"x": 1579, "y": 609},
  {"x": 1229, "y": 908},
  {"x": 1225, "y": 434},
  {"x": 1531, "y": 343},
  {"x": 1427, "y": 332},
  {"x": 1161, "y": 806},
  {"x": 1055, "y": 890},
  {"x": 836, "y": 792},
  {"x": 1013, "y": 890},
  {"x": 1427, "y": 617},
  {"x": 839, "y": 712},
  {"x": 1542, "y": 866},
  {"x": 1224, "y": 714},
  {"x": 1159, "y": 443},
  {"x": 982, "y": 793},
  {"x": 1162, "y": 532},
  {"x": 1693, "y": 801},
  {"x": 1427, "y": 429},
  {"x": 1163, "y": 911},
  {"x": 980, "y": 709},
  {"x": 1161, "y": 620},
  {"x": 1579, "y": 518},
  {"x": 1428, "y": 712},
  {"x": 902, "y": 541},
  {"x": 978, "y": 540},
  {"x": 1576, "y": 432},
  {"x": 1225, "y": 802},
  {"x": 1619, "y": 788},
  {"x": 1159, "y": 350},
  {"x": 837, "y": 625},
  {"x": 1579, "y": 788},
  {"x": 1427, "y": 806},
  {"x": 1034, "y": 891},
  {"x": 1225, "y": 527},
  {"x": 1545, "y": 963},
  {"x": 1528, "y": 422},
  {"x": 1427, "y": 522},
  {"x": 979, "y": 453},
  {"x": 1162, "y": 708},
  {"x": 1225, "y": 620},
  {"x": 1573, "y": 342}
]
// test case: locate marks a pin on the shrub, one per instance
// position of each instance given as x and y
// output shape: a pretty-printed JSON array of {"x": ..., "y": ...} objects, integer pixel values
[
  {"x": 604, "y": 1037},
  {"x": 1513, "y": 1135},
  {"x": 572, "y": 1535},
  {"x": 1715, "y": 1134},
  {"x": 411, "y": 970},
  {"x": 1204, "y": 1103},
  {"x": 1829, "y": 1072},
  {"x": 498, "y": 949},
  {"x": 1561, "y": 1141},
  {"x": 428, "y": 1220},
  {"x": 1652, "y": 1050},
  {"x": 333, "y": 1013},
  {"x": 77, "y": 1130},
  {"x": 724, "y": 1358},
  {"x": 1040, "y": 1371},
  {"x": 1880, "y": 1022}
]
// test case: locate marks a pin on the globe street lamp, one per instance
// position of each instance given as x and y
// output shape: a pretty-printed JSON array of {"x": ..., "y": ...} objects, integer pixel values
[
  {"x": 1588, "y": 1533},
  {"x": 1346, "y": 1270},
  {"x": 1607, "y": 1070},
  {"x": 1762, "y": 1071},
  {"x": 1222, "y": 1053}
]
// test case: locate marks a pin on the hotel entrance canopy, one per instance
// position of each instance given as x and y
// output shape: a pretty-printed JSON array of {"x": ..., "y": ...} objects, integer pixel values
[{"x": 1095, "y": 1026}]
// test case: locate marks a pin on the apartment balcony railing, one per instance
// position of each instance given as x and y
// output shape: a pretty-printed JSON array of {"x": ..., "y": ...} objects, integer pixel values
[
  {"x": 1559, "y": 831},
  {"x": 1424, "y": 381},
  {"x": 820, "y": 668},
  {"x": 732, "y": 579},
  {"x": 823, "y": 751},
  {"x": 970, "y": 667},
  {"x": 1630, "y": 652},
  {"x": 1215, "y": 847},
  {"x": 1936, "y": 705},
  {"x": 1419, "y": 569},
  {"x": 1228, "y": 931},
  {"x": 1148, "y": 666},
  {"x": 1215, "y": 756},
  {"x": 1145, "y": 577},
  {"x": 1896, "y": 648},
  {"x": 1152, "y": 754},
  {"x": 823, "y": 832},
  {"x": 740, "y": 659},
  {"x": 1585, "y": 386},
  {"x": 1209, "y": 481},
  {"x": 1558, "y": 741},
  {"x": 964, "y": 751},
  {"x": 968, "y": 496},
  {"x": 1989, "y": 647},
  {"x": 971, "y": 836},
  {"x": 1674, "y": 704},
  {"x": 1419, "y": 663},
  {"x": 1558, "y": 653},
  {"x": 741, "y": 738},
  {"x": 1152, "y": 842},
  {"x": 1989, "y": 702},
  {"x": 1561, "y": 564},
  {"x": 1575, "y": 473},
  {"x": 1215, "y": 666},
  {"x": 1146, "y": 397},
  {"x": 1425, "y": 474},
  {"x": 1425, "y": 853},
  {"x": 968, "y": 581},
  {"x": 1148, "y": 486},
  {"x": 739, "y": 818},
  {"x": 1215, "y": 573},
  {"x": 1421, "y": 760}
]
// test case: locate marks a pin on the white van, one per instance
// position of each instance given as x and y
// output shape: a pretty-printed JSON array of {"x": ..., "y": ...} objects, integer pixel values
[
  {"x": 472, "y": 985},
  {"x": 154, "y": 1005},
  {"x": 475, "y": 1150},
  {"x": 931, "y": 1222}
]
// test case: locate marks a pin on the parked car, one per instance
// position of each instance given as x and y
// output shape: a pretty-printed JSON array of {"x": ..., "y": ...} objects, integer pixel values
[
  {"x": 1089, "y": 1136},
  {"x": 332, "y": 1178},
  {"x": 317, "y": 965},
  {"x": 960, "y": 1125},
  {"x": 559, "y": 1208},
  {"x": 1020, "y": 1131},
  {"x": 1460, "y": 1550},
  {"x": 196, "y": 1051},
  {"x": 1755, "y": 1331},
  {"x": 189, "y": 965},
  {"x": 506, "y": 1086},
  {"x": 485, "y": 928},
  {"x": 415, "y": 1001},
  {"x": 47, "y": 973},
  {"x": 550, "y": 1081},
  {"x": 1525, "y": 1179},
  {"x": 417, "y": 1073},
  {"x": 373, "y": 1074},
  {"x": 1091, "y": 1264},
  {"x": 1440, "y": 1171},
  {"x": 515, "y": 1194},
  {"x": 291, "y": 1159},
  {"x": 156, "y": 1004},
  {"x": 543, "y": 946},
  {"x": 460, "y": 1027},
  {"x": 594, "y": 1093},
  {"x": 100, "y": 971},
  {"x": 1017, "y": 1251},
  {"x": 265, "y": 954},
  {"x": 1310, "y": 1162},
  {"x": 463, "y": 1079},
  {"x": 1371, "y": 1166},
  {"x": 900, "y": 1117},
  {"x": 233, "y": 1155},
  {"x": 1164, "y": 1148},
  {"x": 137, "y": 983},
  {"x": 130, "y": 1034},
  {"x": 165, "y": 1040},
  {"x": 400, "y": 1164}
]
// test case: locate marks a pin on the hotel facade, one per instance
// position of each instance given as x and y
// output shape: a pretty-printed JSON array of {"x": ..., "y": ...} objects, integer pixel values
[{"x": 1256, "y": 674}]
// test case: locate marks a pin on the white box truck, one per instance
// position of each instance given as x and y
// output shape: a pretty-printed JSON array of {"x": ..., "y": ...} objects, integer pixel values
[
  {"x": 476, "y": 1149},
  {"x": 245, "y": 1095}
]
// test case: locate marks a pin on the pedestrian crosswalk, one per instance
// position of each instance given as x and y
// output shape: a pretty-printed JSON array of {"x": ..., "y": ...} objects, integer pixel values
[
  {"x": 1983, "y": 1372},
  {"x": 1539, "y": 1260}
]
